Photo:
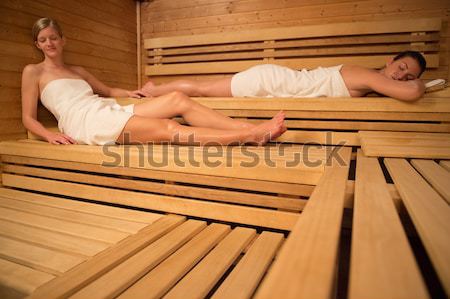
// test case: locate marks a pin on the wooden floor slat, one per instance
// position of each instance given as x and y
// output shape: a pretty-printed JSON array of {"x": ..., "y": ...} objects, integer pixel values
[
  {"x": 158, "y": 281},
  {"x": 193, "y": 207},
  {"x": 51, "y": 239},
  {"x": 246, "y": 276},
  {"x": 313, "y": 241},
  {"x": 161, "y": 188},
  {"x": 445, "y": 164},
  {"x": 74, "y": 216},
  {"x": 436, "y": 176},
  {"x": 429, "y": 212},
  {"x": 82, "y": 275},
  {"x": 64, "y": 226},
  {"x": 127, "y": 273},
  {"x": 199, "y": 282},
  {"x": 21, "y": 279},
  {"x": 405, "y": 144},
  {"x": 246, "y": 184},
  {"x": 382, "y": 262},
  {"x": 88, "y": 208},
  {"x": 40, "y": 258}
]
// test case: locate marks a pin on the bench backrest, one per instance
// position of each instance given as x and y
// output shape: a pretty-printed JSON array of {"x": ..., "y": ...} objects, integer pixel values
[{"x": 368, "y": 44}]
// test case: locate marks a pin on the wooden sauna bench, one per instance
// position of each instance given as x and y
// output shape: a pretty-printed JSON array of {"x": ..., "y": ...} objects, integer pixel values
[{"x": 232, "y": 220}]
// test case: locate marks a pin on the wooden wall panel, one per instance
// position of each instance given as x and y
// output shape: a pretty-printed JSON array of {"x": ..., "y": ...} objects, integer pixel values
[
  {"x": 101, "y": 36},
  {"x": 170, "y": 18}
]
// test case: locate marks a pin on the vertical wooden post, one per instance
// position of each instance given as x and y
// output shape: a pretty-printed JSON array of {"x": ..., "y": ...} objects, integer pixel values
[
  {"x": 138, "y": 41},
  {"x": 269, "y": 52}
]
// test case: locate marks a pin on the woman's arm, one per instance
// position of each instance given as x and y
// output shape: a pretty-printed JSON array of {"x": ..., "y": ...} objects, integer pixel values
[
  {"x": 410, "y": 90},
  {"x": 30, "y": 96},
  {"x": 102, "y": 89}
]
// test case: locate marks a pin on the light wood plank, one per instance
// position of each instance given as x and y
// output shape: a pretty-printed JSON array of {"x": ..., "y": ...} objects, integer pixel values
[
  {"x": 445, "y": 164},
  {"x": 181, "y": 161},
  {"x": 371, "y": 104},
  {"x": 158, "y": 281},
  {"x": 230, "y": 67},
  {"x": 312, "y": 242},
  {"x": 405, "y": 144},
  {"x": 127, "y": 273},
  {"x": 198, "y": 282},
  {"x": 437, "y": 176},
  {"x": 288, "y": 53},
  {"x": 320, "y": 137},
  {"x": 88, "y": 208},
  {"x": 429, "y": 213},
  {"x": 382, "y": 262},
  {"x": 63, "y": 226},
  {"x": 405, "y": 136},
  {"x": 90, "y": 270},
  {"x": 254, "y": 185},
  {"x": 310, "y": 42},
  {"x": 74, "y": 216},
  {"x": 364, "y": 125},
  {"x": 21, "y": 278},
  {"x": 353, "y": 115},
  {"x": 296, "y": 32},
  {"x": 40, "y": 258},
  {"x": 245, "y": 277},
  {"x": 424, "y": 152},
  {"x": 162, "y": 188},
  {"x": 54, "y": 240},
  {"x": 169, "y": 204}
]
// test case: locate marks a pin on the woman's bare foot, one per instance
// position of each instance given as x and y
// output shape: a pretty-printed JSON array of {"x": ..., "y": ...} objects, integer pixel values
[
  {"x": 147, "y": 88},
  {"x": 269, "y": 130}
]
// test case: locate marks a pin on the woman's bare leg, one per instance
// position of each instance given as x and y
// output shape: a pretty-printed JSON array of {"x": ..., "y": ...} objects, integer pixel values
[
  {"x": 178, "y": 104},
  {"x": 143, "y": 130},
  {"x": 203, "y": 88}
]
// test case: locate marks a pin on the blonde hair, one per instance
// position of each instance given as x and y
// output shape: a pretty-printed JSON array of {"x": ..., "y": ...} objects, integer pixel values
[{"x": 42, "y": 24}]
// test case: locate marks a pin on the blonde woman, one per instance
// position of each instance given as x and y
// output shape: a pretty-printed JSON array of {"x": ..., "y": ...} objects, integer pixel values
[{"x": 87, "y": 115}]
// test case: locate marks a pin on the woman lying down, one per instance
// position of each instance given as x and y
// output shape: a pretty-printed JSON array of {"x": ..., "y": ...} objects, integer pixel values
[
  {"x": 398, "y": 79},
  {"x": 70, "y": 93}
]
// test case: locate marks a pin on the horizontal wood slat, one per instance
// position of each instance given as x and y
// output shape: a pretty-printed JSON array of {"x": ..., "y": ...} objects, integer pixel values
[
  {"x": 231, "y": 67},
  {"x": 405, "y": 144},
  {"x": 197, "y": 208},
  {"x": 310, "y": 42},
  {"x": 300, "y": 31},
  {"x": 191, "y": 158}
]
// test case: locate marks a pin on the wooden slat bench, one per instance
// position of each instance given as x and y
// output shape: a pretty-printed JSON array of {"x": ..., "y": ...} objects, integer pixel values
[
  {"x": 269, "y": 193},
  {"x": 192, "y": 258}
]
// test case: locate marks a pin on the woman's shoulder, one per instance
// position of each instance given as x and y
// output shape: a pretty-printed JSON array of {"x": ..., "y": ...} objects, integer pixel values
[
  {"x": 32, "y": 71},
  {"x": 32, "y": 68}
]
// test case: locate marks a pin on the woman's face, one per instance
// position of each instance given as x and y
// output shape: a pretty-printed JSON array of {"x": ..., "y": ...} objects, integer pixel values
[
  {"x": 402, "y": 69},
  {"x": 50, "y": 42}
]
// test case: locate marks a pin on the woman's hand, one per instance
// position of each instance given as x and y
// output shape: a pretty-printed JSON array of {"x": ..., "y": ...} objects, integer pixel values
[
  {"x": 59, "y": 138},
  {"x": 136, "y": 94}
]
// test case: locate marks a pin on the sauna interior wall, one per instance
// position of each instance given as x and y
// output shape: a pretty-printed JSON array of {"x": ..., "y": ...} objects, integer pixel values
[
  {"x": 170, "y": 18},
  {"x": 101, "y": 36}
]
